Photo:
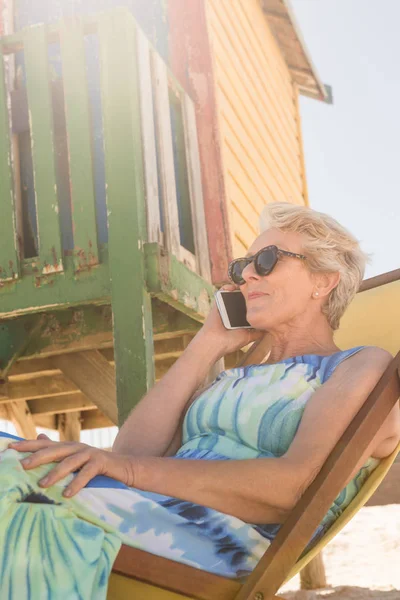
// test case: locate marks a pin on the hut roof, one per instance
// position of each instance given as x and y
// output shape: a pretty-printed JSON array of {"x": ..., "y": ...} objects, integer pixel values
[{"x": 290, "y": 40}]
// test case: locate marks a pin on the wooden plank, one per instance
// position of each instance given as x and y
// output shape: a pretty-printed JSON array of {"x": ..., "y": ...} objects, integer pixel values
[
  {"x": 379, "y": 280},
  {"x": 41, "y": 387},
  {"x": 154, "y": 233},
  {"x": 41, "y": 122},
  {"x": 195, "y": 187},
  {"x": 301, "y": 145},
  {"x": 174, "y": 576},
  {"x": 312, "y": 576},
  {"x": 297, "y": 530},
  {"x": 164, "y": 136},
  {"x": 131, "y": 304},
  {"x": 78, "y": 127},
  {"x": 20, "y": 415},
  {"x": 54, "y": 405},
  {"x": 94, "y": 376},
  {"x": 191, "y": 60},
  {"x": 46, "y": 421},
  {"x": 69, "y": 427},
  {"x": 94, "y": 419},
  {"x": 9, "y": 261}
]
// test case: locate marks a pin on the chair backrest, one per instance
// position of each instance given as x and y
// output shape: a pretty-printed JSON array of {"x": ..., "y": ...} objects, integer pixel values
[
  {"x": 277, "y": 564},
  {"x": 365, "y": 493}
]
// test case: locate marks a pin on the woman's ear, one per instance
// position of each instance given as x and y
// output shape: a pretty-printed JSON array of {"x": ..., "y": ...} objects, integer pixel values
[{"x": 324, "y": 283}]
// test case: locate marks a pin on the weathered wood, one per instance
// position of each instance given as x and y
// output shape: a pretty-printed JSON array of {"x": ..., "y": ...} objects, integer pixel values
[
  {"x": 15, "y": 335},
  {"x": 69, "y": 427},
  {"x": 41, "y": 122},
  {"x": 191, "y": 61},
  {"x": 313, "y": 577},
  {"x": 41, "y": 387},
  {"x": 94, "y": 376},
  {"x": 181, "y": 286},
  {"x": 20, "y": 415},
  {"x": 46, "y": 421},
  {"x": 9, "y": 260},
  {"x": 64, "y": 404},
  {"x": 132, "y": 317},
  {"x": 154, "y": 233},
  {"x": 94, "y": 419},
  {"x": 78, "y": 124},
  {"x": 165, "y": 149},
  {"x": 196, "y": 190}
]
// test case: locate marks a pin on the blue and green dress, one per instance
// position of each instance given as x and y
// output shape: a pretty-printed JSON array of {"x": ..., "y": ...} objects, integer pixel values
[{"x": 47, "y": 542}]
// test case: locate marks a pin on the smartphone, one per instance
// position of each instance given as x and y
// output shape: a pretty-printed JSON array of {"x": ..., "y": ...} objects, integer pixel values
[{"x": 232, "y": 308}]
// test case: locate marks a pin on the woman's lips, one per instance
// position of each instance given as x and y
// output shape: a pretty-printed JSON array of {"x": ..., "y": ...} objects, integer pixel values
[{"x": 254, "y": 295}]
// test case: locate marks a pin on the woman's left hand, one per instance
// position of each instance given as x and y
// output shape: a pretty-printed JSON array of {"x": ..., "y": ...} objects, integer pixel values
[{"x": 72, "y": 457}]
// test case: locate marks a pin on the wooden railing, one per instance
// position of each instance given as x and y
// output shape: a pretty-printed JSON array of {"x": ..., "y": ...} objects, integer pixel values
[{"x": 55, "y": 112}]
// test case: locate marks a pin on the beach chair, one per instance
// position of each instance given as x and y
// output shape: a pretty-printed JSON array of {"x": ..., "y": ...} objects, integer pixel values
[{"x": 143, "y": 576}]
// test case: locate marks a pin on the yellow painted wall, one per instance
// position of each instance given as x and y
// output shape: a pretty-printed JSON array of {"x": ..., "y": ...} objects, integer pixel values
[{"x": 258, "y": 116}]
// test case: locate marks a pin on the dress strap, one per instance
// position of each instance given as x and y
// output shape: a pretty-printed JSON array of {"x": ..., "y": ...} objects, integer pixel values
[{"x": 329, "y": 363}]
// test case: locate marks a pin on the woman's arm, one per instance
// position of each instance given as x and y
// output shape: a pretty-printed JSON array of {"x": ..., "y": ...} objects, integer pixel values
[
  {"x": 249, "y": 489},
  {"x": 153, "y": 425},
  {"x": 261, "y": 490}
]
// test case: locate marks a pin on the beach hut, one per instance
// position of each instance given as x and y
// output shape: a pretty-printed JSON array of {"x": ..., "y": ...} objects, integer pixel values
[
  {"x": 139, "y": 142},
  {"x": 138, "y": 145}
]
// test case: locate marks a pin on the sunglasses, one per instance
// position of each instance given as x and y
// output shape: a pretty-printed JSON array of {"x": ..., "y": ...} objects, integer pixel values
[{"x": 264, "y": 263}]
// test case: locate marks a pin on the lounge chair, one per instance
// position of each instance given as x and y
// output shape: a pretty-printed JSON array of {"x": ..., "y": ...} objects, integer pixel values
[{"x": 143, "y": 576}]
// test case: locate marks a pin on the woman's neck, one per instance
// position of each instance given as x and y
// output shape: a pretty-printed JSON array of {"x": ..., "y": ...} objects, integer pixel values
[{"x": 318, "y": 340}]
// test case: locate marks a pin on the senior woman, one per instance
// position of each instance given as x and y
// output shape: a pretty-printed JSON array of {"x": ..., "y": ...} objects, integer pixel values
[{"x": 210, "y": 477}]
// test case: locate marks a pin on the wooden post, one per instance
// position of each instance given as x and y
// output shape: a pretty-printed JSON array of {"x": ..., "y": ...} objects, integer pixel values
[
  {"x": 312, "y": 576},
  {"x": 41, "y": 122},
  {"x": 131, "y": 305},
  {"x": 9, "y": 267},
  {"x": 94, "y": 376},
  {"x": 191, "y": 63},
  {"x": 20, "y": 415},
  {"x": 69, "y": 427}
]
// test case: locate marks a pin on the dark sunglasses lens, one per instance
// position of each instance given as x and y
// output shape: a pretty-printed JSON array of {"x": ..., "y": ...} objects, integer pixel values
[
  {"x": 265, "y": 262},
  {"x": 237, "y": 270}
]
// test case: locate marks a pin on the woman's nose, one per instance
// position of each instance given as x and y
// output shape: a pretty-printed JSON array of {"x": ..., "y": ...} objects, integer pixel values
[{"x": 249, "y": 272}]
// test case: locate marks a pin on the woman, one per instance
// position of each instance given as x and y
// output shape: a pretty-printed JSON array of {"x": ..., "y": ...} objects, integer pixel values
[{"x": 250, "y": 444}]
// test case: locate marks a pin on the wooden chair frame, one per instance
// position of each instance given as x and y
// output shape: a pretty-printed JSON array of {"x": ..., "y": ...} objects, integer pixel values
[{"x": 278, "y": 561}]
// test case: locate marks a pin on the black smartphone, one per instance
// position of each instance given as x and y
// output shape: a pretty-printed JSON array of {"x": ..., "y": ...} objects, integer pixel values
[{"x": 232, "y": 308}]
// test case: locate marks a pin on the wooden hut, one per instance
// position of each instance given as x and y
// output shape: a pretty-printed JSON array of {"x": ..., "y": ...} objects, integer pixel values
[{"x": 138, "y": 146}]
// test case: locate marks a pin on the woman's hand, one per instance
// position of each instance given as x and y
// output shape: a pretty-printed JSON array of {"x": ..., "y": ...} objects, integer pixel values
[
  {"x": 72, "y": 457},
  {"x": 228, "y": 340}
]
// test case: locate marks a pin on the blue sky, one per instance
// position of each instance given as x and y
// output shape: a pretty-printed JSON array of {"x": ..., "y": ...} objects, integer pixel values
[{"x": 352, "y": 149}]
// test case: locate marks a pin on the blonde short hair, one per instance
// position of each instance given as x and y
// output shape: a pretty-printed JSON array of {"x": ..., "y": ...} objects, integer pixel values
[{"x": 329, "y": 247}]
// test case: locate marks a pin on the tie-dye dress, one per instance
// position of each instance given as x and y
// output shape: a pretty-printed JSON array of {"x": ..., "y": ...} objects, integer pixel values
[{"x": 248, "y": 412}]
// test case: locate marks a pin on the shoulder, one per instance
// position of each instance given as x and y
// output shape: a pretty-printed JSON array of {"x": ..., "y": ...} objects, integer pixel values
[
  {"x": 371, "y": 358},
  {"x": 361, "y": 370}
]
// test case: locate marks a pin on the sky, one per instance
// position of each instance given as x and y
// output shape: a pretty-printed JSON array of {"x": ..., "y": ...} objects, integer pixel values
[{"x": 352, "y": 148}]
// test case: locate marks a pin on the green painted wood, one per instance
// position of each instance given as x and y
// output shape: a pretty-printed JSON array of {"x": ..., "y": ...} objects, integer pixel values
[
  {"x": 79, "y": 143},
  {"x": 166, "y": 279},
  {"x": 9, "y": 265},
  {"x": 15, "y": 336},
  {"x": 36, "y": 293},
  {"x": 133, "y": 339},
  {"x": 176, "y": 284},
  {"x": 41, "y": 122}
]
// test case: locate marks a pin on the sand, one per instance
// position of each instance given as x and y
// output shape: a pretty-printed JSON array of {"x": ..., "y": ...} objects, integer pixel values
[{"x": 362, "y": 562}]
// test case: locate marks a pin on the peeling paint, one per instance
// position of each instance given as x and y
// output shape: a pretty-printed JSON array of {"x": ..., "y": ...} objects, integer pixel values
[{"x": 56, "y": 268}]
